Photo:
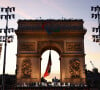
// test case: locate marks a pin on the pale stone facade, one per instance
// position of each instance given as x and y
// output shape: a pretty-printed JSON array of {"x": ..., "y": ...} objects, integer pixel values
[{"x": 64, "y": 36}]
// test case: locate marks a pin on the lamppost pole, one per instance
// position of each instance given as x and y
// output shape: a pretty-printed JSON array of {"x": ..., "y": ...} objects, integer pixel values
[
  {"x": 96, "y": 15},
  {"x": 5, "y": 48},
  {"x": 7, "y": 17}
]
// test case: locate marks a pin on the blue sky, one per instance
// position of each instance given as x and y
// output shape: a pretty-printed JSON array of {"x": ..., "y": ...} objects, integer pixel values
[{"x": 53, "y": 9}]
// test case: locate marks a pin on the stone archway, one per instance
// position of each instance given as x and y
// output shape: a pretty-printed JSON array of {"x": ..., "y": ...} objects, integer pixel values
[
  {"x": 68, "y": 41},
  {"x": 53, "y": 45},
  {"x": 55, "y": 65}
]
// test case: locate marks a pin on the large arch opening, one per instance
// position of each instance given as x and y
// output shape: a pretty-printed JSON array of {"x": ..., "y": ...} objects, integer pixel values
[{"x": 55, "y": 67}]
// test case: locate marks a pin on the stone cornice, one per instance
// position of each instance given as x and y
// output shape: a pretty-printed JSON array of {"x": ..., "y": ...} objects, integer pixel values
[
  {"x": 50, "y": 26},
  {"x": 72, "y": 54}
]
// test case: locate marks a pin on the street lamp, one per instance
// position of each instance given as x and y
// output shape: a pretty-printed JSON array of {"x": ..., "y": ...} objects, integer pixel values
[
  {"x": 96, "y": 15},
  {"x": 6, "y": 38}
]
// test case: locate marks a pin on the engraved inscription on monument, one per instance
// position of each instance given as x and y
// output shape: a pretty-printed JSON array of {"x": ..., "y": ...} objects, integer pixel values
[
  {"x": 73, "y": 46},
  {"x": 27, "y": 46}
]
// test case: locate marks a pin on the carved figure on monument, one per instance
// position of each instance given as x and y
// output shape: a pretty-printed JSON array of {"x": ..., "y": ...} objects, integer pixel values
[
  {"x": 26, "y": 68},
  {"x": 75, "y": 68}
]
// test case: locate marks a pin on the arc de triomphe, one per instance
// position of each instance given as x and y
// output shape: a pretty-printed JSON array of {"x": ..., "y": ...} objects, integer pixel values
[{"x": 64, "y": 36}]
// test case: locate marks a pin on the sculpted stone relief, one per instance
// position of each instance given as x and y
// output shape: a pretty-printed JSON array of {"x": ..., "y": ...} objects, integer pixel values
[
  {"x": 27, "y": 46},
  {"x": 26, "y": 68},
  {"x": 75, "y": 68},
  {"x": 73, "y": 46}
]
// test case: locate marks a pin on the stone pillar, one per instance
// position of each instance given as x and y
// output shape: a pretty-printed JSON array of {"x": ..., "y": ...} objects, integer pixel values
[
  {"x": 72, "y": 69},
  {"x": 73, "y": 61},
  {"x": 28, "y": 68}
]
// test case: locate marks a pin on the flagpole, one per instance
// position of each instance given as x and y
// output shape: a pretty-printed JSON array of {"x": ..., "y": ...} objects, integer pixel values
[{"x": 50, "y": 50}]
